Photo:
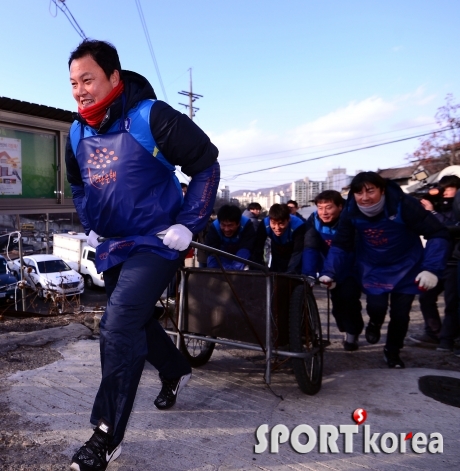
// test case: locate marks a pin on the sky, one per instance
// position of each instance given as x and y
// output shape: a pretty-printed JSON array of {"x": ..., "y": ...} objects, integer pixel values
[{"x": 282, "y": 81}]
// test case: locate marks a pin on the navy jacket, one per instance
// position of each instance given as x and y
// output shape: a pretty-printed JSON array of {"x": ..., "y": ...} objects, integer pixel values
[
  {"x": 389, "y": 252},
  {"x": 286, "y": 251},
  {"x": 241, "y": 244},
  {"x": 318, "y": 240},
  {"x": 133, "y": 203}
]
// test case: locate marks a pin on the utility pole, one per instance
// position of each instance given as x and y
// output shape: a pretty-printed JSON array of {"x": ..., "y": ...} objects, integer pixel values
[{"x": 191, "y": 98}]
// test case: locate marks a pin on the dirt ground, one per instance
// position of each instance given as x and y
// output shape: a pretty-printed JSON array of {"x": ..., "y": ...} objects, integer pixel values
[{"x": 17, "y": 452}]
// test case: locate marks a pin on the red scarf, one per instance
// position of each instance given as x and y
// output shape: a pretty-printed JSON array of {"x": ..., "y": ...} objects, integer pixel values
[{"x": 94, "y": 115}]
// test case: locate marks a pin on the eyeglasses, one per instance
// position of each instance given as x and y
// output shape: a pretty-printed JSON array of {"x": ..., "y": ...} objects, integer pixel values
[{"x": 291, "y": 206}]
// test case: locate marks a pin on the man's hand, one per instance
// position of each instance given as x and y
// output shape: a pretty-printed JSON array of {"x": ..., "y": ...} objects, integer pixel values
[
  {"x": 311, "y": 280},
  {"x": 426, "y": 280},
  {"x": 177, "y": 237},
  {"x": 92, "y": 239},
  {"x": 327, "y": 282},
  {"x": 427, "y": 204}
]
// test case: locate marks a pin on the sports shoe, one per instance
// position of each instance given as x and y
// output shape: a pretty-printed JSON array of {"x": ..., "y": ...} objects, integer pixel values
[
  {"x": 445, "y": 346},
  {"x": 170, "y": 390},
  {"x": 96, "y": 453},
  {"x": 392, "y": 359},
  {"x": 373, "y": 333},
  {"x": 425, "y": 339}
]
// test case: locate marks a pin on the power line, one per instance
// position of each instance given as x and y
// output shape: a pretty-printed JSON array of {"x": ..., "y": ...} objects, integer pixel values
[
  {"x": 338, "y": 153},
  {"x": 69, "y": 16},
  {"x": 375, "y": 143},
  {"x": 325, "y": 145},
  {"x": 149, "y": 43}
]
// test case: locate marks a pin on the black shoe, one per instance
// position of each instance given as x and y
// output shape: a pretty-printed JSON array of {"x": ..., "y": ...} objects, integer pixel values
[
  {"x": 351, "y": 346},
  {"x": 425, "y": 339},
  {"x": 445, "y": 345},
  {"x": 392, "y": 359},
  {"x": 170, "y": 390},
  {"x": 97, "y": 452},
  {"x": 373, "y": 332}
]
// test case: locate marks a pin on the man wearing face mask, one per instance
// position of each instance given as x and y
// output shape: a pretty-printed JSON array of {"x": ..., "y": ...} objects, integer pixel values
[
  {"x": 383, "y": 226},
  {"x": 437, "y": 333}
]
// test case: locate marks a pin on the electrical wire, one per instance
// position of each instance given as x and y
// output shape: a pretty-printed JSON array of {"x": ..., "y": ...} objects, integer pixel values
[
  {"x": 338, "y": 153},
  {"x": 149, "y": 43},
  {"x": 233, "y": 160},
  {"x": 68, "y": 15}
]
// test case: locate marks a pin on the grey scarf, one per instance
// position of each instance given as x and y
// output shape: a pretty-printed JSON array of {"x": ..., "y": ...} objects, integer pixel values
[{"x": 371, "y": 211}]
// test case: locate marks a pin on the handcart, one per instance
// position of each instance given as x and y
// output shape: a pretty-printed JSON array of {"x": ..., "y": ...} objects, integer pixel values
[{"x": 252, "y": 309}]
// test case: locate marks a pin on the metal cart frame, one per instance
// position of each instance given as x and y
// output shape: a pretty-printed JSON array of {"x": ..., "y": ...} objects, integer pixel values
[{"x": 310, "y": 355}]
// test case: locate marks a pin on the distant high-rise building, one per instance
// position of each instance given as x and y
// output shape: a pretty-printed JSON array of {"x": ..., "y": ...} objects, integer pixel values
[
  {"x": 337, "y": 179},
  {"x": 225, "y": 193},
  {"x": 314, "y": 189},
  {"x": 299, "y": 191}
]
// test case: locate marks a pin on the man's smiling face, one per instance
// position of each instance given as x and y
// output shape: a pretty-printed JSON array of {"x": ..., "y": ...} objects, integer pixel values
[{"x": 89, "y": 83}]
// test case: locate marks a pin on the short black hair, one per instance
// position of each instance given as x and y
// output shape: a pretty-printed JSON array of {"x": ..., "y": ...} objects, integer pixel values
[
  {"x": 293, "y": 202},
  {"x": 279, "y": 212},
  {"x": 254, "y": 206},
  {"x": 360, "y": 180},
  {"x": 229, "y": 212},
  {"x": 104, "y": 54},
  {"x": 449, "y": 181},
  {"x": 330, "y": 195},
  {"x": 183, "y": 185}
]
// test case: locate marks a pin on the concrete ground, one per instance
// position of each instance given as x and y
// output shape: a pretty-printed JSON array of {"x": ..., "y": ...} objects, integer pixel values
[{"x": 213, "y": 425}]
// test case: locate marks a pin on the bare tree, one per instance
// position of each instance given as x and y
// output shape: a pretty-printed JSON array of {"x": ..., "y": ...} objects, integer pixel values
[{"x": 441, "y": 148}]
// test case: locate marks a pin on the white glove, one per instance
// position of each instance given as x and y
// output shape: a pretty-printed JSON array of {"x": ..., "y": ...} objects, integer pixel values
[
  {"x": 92, "y": 239},
  {"x": 177, "y": 237},
  {"x": 327, "y": 282},
  {"x": 426, "y": 280}
]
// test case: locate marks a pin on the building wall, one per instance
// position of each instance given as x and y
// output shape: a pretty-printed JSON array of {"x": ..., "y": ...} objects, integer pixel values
[
  {"x": 337, "y": 179},
  {"x": 299, "y": 191}
]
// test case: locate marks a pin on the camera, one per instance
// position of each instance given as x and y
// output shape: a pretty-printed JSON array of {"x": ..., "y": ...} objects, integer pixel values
[{"x": 431, "y": 192}]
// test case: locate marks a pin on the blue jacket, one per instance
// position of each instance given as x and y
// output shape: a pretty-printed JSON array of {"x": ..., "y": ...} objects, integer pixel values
[
  {"x": 318, "y": 240},
  {"x": 133, "y": 194},
  {"x": 389, "y": 251},
  {"x": 241, "y": 244}
]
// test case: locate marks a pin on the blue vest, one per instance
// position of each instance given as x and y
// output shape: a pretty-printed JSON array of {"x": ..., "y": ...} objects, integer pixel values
[
  {"x": 231, "y": 244},
  {"x": 389, "y": 255},
  {"x": 326, "y": 232},
  {"x": 286, "y": 237},
  {"x": 131, "y": 191}
]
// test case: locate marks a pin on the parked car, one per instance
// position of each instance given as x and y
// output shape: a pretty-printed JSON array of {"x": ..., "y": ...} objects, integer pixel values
[
  {"x": 8, "y": 282},
  {"x": 49, "y": 274},
  {"x": 74, "y": 250},
  {"x": 39, "y": 244}
]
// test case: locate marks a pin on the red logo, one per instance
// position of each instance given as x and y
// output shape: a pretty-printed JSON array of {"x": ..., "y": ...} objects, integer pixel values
[{"x": 359, "y": 416}]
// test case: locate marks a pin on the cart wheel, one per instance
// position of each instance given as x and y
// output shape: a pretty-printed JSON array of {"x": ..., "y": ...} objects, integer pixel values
[
  {"x": 305, "y": 336},
  {"x": 197, "y": 352}
]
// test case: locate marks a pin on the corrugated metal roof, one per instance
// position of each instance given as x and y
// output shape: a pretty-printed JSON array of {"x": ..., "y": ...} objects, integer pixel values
[
  {"x": 32, "y": 109},
  {"x": 396, "y": 173}
]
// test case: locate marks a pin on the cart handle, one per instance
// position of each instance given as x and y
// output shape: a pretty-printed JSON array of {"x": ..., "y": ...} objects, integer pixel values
[{"x": 206, "y": 248}]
